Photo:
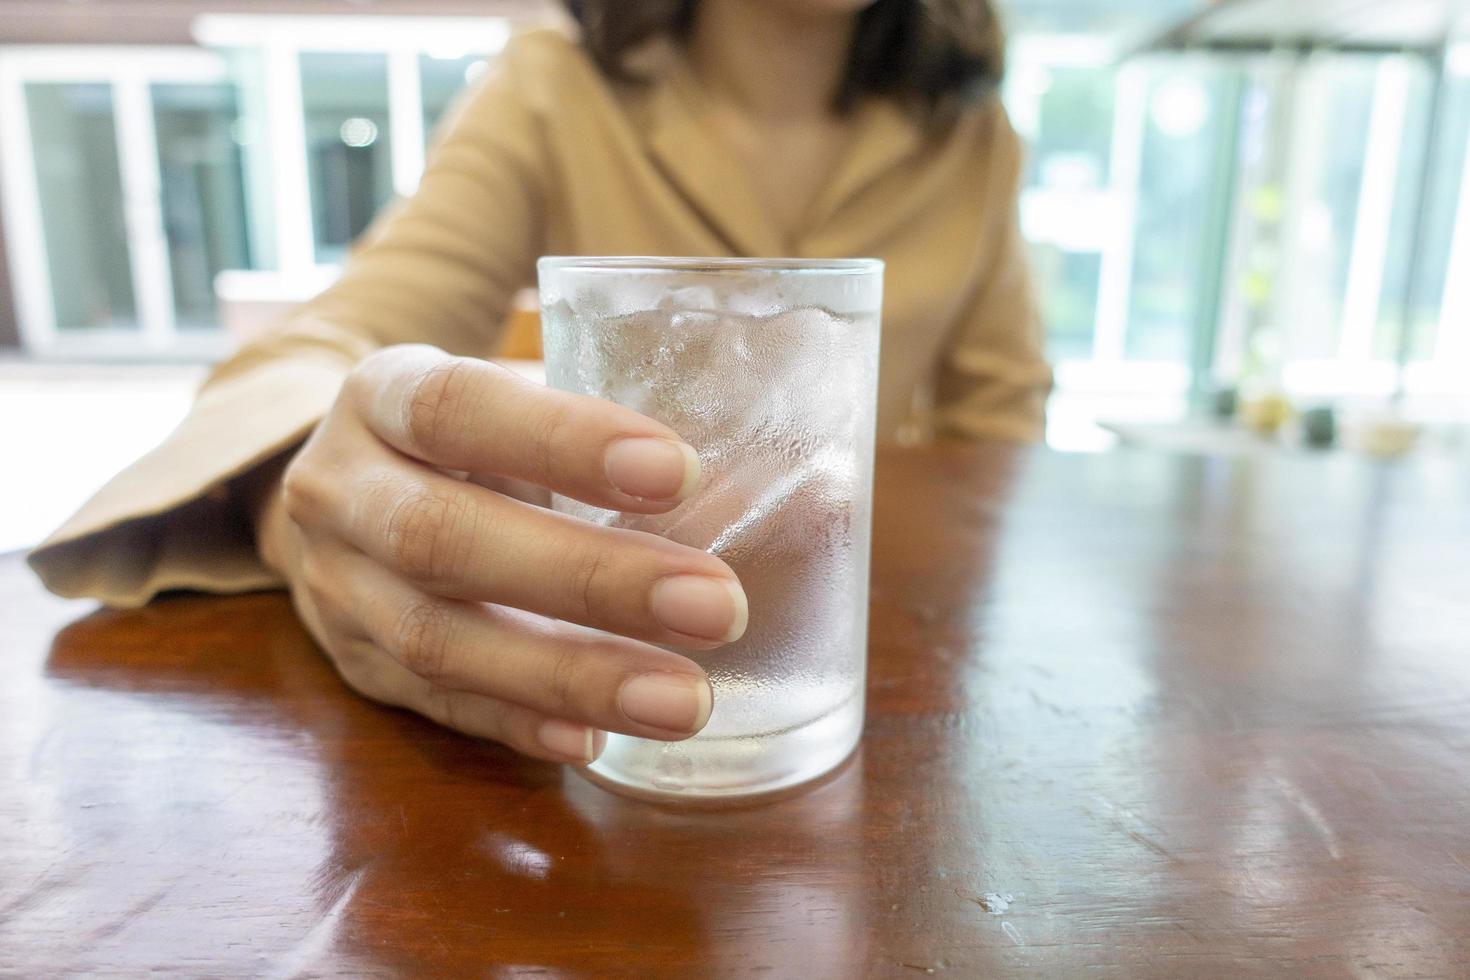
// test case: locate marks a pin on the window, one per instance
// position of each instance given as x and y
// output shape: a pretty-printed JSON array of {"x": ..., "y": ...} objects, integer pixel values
[
  {"x": 1432, "y": 322},
  {"x": 122, "y": 197},
  {"x": 203, "y": 195},
  {"x": 1074, "y": 137},
  {"x": 148, "y": 172},
  {"x": 443, "y": 78},
  {"x": 1128, "y": 167},
  {"x": 1398, "y": 244},
  {"x": 1221, "y": 218},
  {"x": 78, "y": 176},
  {"x": 1245, "y": 218},
  {"x": 1325, "y": 228},
  {"x": 1069, "y": 299},
  {"x": 348, "y": 145},
  {"x": 1185, "y": 168},
  {"x": 1324, "y": 183},
  {"x": 1061, "y": 100}
]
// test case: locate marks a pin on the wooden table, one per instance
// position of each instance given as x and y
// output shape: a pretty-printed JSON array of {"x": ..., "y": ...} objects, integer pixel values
[{"x": 1130, "y": 715}]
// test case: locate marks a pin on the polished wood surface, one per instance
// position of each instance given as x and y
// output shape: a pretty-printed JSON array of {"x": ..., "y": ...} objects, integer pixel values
[{"x": 1130, "y": 715}]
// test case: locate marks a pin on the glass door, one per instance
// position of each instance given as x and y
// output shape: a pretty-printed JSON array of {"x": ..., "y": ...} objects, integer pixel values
[
  {"x": 1320, "y": 275},
  {"x": 1125, "y": 203},
  {"x": 348, "y": 145},
  {"x": 443, "y": 79},
  {"x": 123, "y": 200},
  {"x": 151, "y": 177},
  {"x": 79, "y": 186},
  {"x": 203, "y": 193}
]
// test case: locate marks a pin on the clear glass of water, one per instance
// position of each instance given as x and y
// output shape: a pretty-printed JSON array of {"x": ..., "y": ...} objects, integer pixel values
[{"x": 769, "y": 369}]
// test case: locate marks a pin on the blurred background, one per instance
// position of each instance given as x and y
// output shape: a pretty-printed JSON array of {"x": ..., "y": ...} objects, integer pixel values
[{"x": 1250, "y": 218}]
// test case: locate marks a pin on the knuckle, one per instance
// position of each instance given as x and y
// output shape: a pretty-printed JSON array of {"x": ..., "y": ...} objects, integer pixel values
[
  {"x": 423, "y": 531},
  {"x": 359, "y": 381},
  {"x": 361, "y": 667},
  {"x": 550, "y": 438},
  {"x": 422, "y": 637},
  {"x": 310, "y": 614},
  {"x": 383, "y": 357},
  {"x": 381, "y": 361},
  {"x": 450, "y": 710},
  {"x": 329, "y": 592},
  {"x": 360, "y": 681},
  {"x": 353, "y": 667},
  {"x": 588, "y": 583},
  {"x": 437, "y": 403},
  {"x": 311, "y": 573},
  {"x": 365, "y": 380},
  {"x": 447, "y": 711},
  {"x": 563, "y": 673},
  {"x": 301, "y": 492}
]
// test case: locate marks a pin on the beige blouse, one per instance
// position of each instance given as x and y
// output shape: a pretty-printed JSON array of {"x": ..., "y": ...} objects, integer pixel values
[{"x": 547, "y": 156}]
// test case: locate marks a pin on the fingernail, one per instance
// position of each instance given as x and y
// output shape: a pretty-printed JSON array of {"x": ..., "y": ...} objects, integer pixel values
[
  {"x": 578, "y": 743},
  {"x": 653, "y": 469},
  {"x": 698, "y": 605},
  {"x": 673, "y": 702}
]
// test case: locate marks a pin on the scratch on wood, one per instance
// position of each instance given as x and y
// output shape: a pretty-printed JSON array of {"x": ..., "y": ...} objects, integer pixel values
[
  {"x": 318, "y": 939},
  {"x": 992, "y": 902},
  {"x": 1151, "y": 844},
  {"x": 38, "y": 889},
  {"x": 1308, "y": 809},
  {"x": 137, "y": 910},
  {"x": 1122, "y": 817}
]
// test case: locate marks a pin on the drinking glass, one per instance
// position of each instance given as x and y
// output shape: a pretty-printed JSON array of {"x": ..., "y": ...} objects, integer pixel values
[{"x": 769, "y": 369}]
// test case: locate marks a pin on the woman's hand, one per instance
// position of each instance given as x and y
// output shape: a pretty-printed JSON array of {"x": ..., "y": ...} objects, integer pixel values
[{"x": 432, "y": 592}]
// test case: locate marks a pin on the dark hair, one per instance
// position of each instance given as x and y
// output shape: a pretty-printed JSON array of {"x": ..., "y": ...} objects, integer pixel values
[{"x": 921, "y": 51}]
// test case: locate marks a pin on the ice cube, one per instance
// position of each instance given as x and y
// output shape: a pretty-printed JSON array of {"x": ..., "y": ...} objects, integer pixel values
[
  {"x": 689, "y": 299},
  {"x": 694, "y": 324},
  {"x": 753, "y": 499}
]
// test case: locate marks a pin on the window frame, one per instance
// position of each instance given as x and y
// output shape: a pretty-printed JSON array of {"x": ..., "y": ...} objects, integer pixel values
[
  {"x": 129, "y": 73},
  {"x": 279, "y": 214}
]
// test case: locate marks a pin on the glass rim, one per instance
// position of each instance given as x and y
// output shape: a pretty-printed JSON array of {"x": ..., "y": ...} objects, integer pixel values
[{"x": 672, "y": 263}]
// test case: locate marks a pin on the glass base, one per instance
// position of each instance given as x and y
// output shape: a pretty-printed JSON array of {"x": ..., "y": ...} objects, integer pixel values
[{"x": 727, "y": 769}]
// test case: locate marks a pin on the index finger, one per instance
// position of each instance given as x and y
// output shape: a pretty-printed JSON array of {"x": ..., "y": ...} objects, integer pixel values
[{"x": 467, "y": 414}]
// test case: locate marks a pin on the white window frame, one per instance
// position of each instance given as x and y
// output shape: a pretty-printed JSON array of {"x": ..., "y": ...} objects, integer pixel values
[
  {"x": 1108, "y": 229},
  {"x": 1447, "y": 371},
  {"x": 130, "y": 73},
  {"x": 1354, "y": 371},
  {"x": 281, "y": 40}
]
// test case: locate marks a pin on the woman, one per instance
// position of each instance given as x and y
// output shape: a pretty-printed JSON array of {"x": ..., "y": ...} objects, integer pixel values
[{"x": 685, "y": 127}]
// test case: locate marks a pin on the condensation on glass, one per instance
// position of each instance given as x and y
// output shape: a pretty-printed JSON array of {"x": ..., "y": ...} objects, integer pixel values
[{"x": 769, "y": 370}]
